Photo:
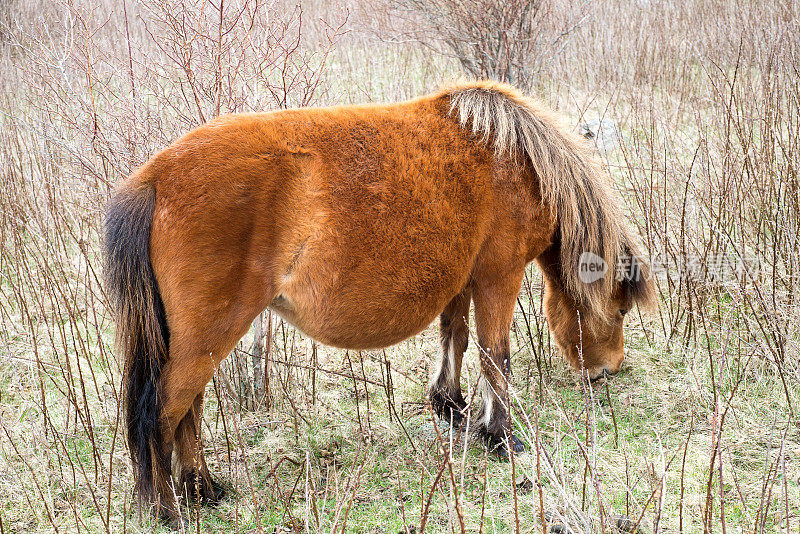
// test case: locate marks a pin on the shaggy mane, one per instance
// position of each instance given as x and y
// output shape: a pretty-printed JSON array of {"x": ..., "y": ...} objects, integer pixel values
[{"x": 571, "y": 181}]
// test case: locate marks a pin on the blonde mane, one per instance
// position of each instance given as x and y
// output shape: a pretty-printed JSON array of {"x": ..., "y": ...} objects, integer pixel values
[{"x": 571, "y": 181}]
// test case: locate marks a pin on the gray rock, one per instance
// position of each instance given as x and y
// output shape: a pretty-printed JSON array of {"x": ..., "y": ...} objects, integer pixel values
[
  {"x": 626, "y": 525},
  {"x": 556, "y": 524},
  {"x": 602, "y": 131},
  {"x": 427, "y": 432}
]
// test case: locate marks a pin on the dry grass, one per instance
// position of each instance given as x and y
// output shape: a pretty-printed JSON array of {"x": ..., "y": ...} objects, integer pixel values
[{"x": 700, "y": 431}]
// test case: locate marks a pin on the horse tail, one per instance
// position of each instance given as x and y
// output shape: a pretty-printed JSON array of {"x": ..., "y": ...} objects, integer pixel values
[
  {"x": 571, "y": 183},
  {"x": 142, "y": 332}
]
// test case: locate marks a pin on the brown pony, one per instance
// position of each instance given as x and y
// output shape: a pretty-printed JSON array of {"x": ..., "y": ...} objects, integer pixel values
[{"x": 359, "y": 225}]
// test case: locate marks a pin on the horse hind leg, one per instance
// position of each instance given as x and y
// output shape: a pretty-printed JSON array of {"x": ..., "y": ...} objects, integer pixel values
[
  {"x": 194, "y": 356},
  {"x": 181, "y": 382},
  {"x": 445, "y": 386},
  {"x": 195, "y": 481}
]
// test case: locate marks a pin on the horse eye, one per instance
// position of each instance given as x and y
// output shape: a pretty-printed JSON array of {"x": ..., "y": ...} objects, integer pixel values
[{"x": 623, "y": 312}]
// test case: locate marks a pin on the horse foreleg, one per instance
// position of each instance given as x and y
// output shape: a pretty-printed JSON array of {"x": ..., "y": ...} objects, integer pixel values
[
  {"x": 494, "y": 309},
  {"x": 445, "y": 386}
]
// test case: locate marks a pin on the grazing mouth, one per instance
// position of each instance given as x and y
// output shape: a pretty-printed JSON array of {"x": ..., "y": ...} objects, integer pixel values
[{"x": 603, "y": 376}]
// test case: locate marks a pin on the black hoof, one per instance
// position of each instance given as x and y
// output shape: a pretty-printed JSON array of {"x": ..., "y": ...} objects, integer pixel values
[
  {"x": 449, "y": 409},
  {"x": 499, "y": 446},
  {"x": 173, "y": 520},
  {"x": 219, "y": 493},
  {"x": 454, "y": 418},
  {"x": 177, "y": 524},
  {"x": 210, "y": 491}
]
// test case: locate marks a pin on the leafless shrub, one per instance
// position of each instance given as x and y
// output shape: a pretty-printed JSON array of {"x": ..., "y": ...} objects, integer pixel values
[
  {"x": 511, "y": 41},
  {"x": 6, "y": 9}
]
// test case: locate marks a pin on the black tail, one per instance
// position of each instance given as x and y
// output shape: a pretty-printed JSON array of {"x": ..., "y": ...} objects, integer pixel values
[{"x": 142, "y": 332}]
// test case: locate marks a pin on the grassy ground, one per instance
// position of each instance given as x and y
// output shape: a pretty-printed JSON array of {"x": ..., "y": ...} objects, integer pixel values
[
  {"x": 698, "y": 433},
  {"x": 640, "y": 445}
]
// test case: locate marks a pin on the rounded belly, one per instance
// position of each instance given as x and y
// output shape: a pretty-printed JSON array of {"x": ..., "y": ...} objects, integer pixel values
[
  {"x": 366, "y": 314},
  {"x": 355, "y": 331}
]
